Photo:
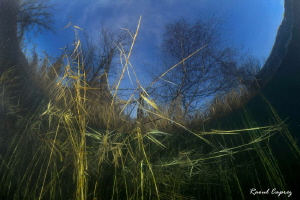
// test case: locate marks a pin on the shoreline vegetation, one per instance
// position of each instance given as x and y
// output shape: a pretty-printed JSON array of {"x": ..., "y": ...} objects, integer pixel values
[{"x": 60, "y": 152}]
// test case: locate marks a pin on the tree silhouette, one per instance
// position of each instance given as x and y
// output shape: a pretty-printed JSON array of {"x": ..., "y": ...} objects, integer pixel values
[
  {"x": 199, "y": 76},
  {"x": 206, "y": 66},
  {"x": 34, "y": 15},
  {"x": 17, "y": 17}
]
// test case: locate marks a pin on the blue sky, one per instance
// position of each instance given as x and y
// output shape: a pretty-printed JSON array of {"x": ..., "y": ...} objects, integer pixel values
[{"x": 249, "y": 23}]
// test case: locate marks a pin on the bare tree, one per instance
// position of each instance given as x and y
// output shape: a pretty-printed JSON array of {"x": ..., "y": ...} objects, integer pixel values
[
  {"x": 17, "y": 17},
  {"x": 239, "y": 69},
  {"x": 248, "y": 70},
  {"x": 34, "y": 15},
  {"x": 201, "y": 75},
  {"x": 100, "y": 58},
  {"x": 103, "y": 53}
]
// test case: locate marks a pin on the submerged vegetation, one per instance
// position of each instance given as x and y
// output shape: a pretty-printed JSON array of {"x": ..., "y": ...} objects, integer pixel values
[
  {"x": 81, "y": 139},
  {"x": 60, "y": 152}
]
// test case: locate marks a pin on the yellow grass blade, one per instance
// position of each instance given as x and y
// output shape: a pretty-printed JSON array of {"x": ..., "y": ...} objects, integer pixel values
[{"x": 150, "y": 102}]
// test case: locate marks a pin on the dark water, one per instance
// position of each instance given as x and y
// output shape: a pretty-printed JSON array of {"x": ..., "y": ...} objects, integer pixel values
[
  {"x": 281, "y": 88},
  {"x": 283, "y": 93}
]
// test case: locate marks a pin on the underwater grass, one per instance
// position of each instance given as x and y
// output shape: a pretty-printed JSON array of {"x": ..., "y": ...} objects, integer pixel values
[{"x": 60, "y": 152}]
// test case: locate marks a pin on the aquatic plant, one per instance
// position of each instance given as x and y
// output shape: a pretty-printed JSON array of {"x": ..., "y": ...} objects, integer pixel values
[{"x": 60, "y": 152}]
